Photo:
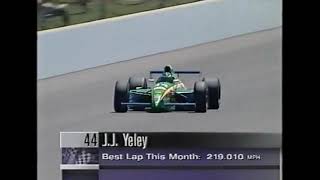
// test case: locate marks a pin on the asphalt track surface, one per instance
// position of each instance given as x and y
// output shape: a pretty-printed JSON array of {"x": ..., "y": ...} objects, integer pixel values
[{"x": 249, "y": 67}]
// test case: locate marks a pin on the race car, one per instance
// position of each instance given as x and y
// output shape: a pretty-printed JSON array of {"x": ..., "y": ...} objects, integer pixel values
[{"x": 168, "y": 93}]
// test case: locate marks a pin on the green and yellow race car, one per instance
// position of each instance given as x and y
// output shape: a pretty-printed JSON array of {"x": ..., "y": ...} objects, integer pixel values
[{"x": 168, "y": 93}]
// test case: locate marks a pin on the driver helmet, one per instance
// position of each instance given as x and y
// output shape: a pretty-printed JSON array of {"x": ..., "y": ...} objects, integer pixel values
[{"x": 168, "y": 69}]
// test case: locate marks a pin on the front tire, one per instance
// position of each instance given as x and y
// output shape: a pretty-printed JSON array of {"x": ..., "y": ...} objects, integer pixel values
[
  {"x": 120, "y": 95},
  {"x": 214, "y": 92},
  {"x": 200, "y": 96}
]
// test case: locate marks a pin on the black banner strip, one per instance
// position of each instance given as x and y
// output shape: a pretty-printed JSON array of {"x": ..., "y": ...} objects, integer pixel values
[{"x": 201, "y": 140}]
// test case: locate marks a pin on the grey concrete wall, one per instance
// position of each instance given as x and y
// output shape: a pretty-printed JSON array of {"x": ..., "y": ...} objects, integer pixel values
[{"x": 88, "y": 45}]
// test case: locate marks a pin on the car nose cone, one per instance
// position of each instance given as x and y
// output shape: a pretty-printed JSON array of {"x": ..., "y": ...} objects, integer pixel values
[{"x": 157, "y": 100}]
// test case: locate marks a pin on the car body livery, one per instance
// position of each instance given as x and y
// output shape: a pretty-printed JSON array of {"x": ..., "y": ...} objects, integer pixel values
[{"x": 168, "y": 93}]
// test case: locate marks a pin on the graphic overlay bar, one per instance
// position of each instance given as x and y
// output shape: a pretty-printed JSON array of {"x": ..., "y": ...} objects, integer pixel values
[
  {"x": 79, "y": 152},
  {"x": 190, "y": 140},
  {"x": 133, "y": 155},
  {"x": 79, "y": 139},
  {"x": 190, "y": 158}
]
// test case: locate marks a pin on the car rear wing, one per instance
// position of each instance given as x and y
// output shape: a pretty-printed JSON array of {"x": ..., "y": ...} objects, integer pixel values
[{"x": 176, "y": 72}]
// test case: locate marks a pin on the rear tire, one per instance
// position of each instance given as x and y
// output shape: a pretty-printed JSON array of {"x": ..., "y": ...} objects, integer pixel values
[
  {"x": 214, "y": 92},
  {"x": 200, "y": 96},
  {"x": 135, "y": 82},
  {"x": 120, "y": 95}
]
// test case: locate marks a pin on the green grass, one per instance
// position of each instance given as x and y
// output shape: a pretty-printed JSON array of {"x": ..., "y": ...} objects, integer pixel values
[
  {"x": 112, "y": 8},
  {"x": 116, "y": 9}
]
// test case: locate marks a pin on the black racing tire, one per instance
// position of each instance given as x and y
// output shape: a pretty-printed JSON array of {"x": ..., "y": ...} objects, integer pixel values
[
  {"x": 200, "y": 96},
  {"x": 121, "y": 94},
  {"x": 214, "y": 92},
  {"x": 209, "y": 79},
  {"x": 135, "y": 82}
]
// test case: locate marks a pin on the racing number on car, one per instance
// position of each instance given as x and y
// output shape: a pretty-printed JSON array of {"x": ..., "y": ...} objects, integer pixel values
[{"x": 91, "y": 141}]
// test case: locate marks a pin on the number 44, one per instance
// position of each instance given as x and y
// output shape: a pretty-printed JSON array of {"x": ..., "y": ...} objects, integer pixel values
[{"x": 91, "y": 140}]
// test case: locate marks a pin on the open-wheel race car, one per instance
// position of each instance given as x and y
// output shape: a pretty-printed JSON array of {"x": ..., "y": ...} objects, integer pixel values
[{"x": 167, "y": 93}]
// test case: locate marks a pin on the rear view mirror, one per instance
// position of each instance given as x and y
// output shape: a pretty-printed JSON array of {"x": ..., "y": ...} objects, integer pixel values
[{"x": 151, "y": 80}]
